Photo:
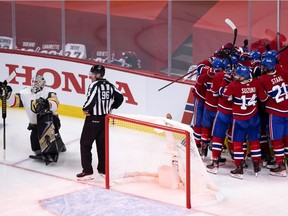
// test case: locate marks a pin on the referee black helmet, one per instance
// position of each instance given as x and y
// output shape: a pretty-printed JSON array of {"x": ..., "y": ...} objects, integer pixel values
[{"x": 95, "y": 69}]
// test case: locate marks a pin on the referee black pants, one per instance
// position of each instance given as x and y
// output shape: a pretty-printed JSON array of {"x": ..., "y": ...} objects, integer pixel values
[{"x": 93, "y": 130}]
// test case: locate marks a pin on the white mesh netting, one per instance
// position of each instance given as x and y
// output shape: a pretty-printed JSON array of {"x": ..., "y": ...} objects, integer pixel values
[{"x": 136, "y": 151}]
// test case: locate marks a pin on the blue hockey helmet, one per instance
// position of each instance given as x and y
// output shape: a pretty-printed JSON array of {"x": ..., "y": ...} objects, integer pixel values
[
  {"x": 227, "y": 62},
  {"x": 270, "y": 53},
  {"x": 217, "y": 64},
  {"x": 255, "y": 55},
  {"x": 269, "y": 63},
  {"x": 242, "y": 73}
]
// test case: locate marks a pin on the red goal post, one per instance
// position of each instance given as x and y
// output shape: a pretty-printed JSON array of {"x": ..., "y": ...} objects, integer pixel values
[{"x": 139, "y": 148}]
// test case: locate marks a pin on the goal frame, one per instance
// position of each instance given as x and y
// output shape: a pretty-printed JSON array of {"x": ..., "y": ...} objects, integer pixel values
[{"x": 180, "y": 131}]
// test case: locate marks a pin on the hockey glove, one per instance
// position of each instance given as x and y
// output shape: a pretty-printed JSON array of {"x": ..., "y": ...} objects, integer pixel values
[
  {"x": 40, "y": 105},
  {"x": 5, "y": 88},
  {"x": 9, "y": 91},
  {"x": 245, "y": 42},
  {"x": 256, "y": 72}
]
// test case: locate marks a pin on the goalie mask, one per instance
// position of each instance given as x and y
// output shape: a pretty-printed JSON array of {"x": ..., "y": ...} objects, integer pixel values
[{"x": 38, "y": 83}]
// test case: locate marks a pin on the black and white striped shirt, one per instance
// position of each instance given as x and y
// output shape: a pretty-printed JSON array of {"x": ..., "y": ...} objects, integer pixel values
[{"x": 102, "y": 97}]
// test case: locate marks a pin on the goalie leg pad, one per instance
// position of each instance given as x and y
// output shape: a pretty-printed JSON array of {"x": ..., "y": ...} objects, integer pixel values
[
  {"x": 60, "y": 143},
  {"x": 47, "y": 137}
]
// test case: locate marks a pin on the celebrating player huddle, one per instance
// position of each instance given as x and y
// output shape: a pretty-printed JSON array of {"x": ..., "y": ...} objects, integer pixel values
[{"x": 242, "y": 96}]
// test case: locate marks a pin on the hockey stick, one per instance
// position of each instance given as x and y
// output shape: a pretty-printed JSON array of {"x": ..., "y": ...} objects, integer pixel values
[
  {"x": 267, "y": 46},
  {"x": 282, "y": 49},
  {"x": 193, "y": 72},
  {"x": 234, "y": 28},
  {"x": 4, "y": 106}
]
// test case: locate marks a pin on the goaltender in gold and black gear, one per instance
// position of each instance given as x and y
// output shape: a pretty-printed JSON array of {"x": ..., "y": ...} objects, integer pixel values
[
  {"x": 102, "y": 97},
  {"x": 41, "y": 103}
]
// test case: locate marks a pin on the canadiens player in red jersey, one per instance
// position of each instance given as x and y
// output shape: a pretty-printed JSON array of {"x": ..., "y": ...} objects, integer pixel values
[
  {"x": 223, "y": 119},
  {"x": 267, "y": 159},
  {"x": 245, "y": 93},
  {"x": 211, "y": 102},
  {"x": 275, "y": 82},
  {"x": 199, "y": 92},
  {"x": 255, "y": 61}
]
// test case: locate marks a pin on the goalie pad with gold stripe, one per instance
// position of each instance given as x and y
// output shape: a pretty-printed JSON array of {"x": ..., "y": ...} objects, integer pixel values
[{"x": 47, "y": 138}]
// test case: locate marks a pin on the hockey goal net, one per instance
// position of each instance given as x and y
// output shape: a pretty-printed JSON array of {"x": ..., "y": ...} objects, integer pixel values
[{"x": 159, "y": 150}]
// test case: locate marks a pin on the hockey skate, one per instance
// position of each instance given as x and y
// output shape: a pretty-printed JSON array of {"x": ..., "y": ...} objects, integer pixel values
[
  {"x": 256, "y": 167},
  {"x": 222, "y": 161},
  {"x": 237, "y": 173},
  {"x": 213, "y": 167},
  {"x": 36, "y": 157},
  {"x": 101, "y": 174},
  {"x": 279, "y": 170},
  {"x": 84, "y": 176},
  {"x": 49, "y": 158},
  {"x": 271, "y": 163},
  {"x": 46, "y": 158}
]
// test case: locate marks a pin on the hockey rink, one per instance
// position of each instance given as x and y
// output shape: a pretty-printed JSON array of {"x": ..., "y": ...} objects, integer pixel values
[{"x": 29, "y": 187}]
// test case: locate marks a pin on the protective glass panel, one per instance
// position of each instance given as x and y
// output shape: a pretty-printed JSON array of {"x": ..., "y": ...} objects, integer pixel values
[
  {"x": 6, "y": 25},
  {"x": 139, "y": 34},
  {"x": 184, "y": 15},
  {"x": 86, "y": 29},
  {"x": 38, "y": 26}
]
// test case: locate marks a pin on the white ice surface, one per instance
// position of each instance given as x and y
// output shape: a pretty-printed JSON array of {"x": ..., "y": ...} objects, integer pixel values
[{"x": 25, "y": 182}]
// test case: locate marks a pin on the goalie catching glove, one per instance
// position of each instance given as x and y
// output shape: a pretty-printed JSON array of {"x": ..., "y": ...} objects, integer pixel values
[
  {"x": 5, "y": 88},
  {"x": 40, "y": 105}
]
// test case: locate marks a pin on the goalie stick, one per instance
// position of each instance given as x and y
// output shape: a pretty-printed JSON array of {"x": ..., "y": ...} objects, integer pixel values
[
  {"x": 4, "y": 106},
  {"x": 234, "y": 28}
]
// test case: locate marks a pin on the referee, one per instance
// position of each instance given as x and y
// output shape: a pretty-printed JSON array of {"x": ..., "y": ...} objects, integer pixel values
[{"x": 102, "y": 97}]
